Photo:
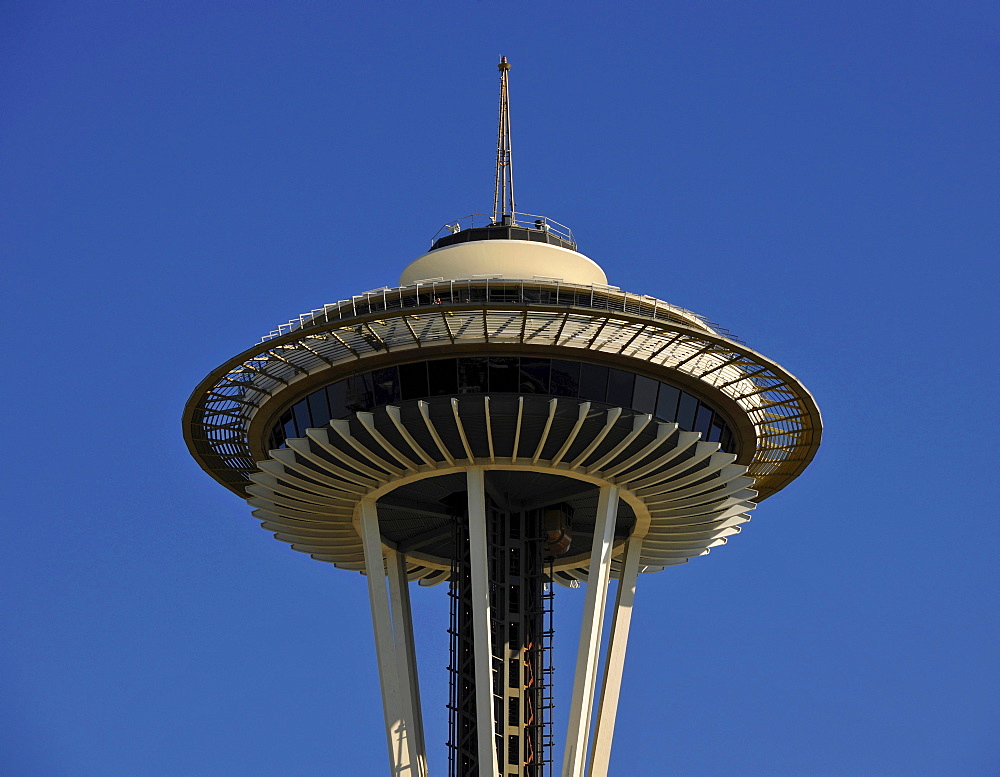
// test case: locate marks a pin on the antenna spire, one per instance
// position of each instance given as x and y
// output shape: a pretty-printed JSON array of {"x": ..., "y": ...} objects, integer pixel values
[{"x": 503, "y": 190}]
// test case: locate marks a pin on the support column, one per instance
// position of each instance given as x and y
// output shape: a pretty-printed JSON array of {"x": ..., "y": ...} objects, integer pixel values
[
  {"x": 398, "y": 739},
  {"x": 600, "y": 755},
  {"x": 481, "y": 617},
  {"x": 406, "y": 659},
  {"x": 581, "y": 706}
]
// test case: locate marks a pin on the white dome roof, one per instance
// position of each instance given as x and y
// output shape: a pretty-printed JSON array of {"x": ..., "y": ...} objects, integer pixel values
[{"x": 520, "y": 259}]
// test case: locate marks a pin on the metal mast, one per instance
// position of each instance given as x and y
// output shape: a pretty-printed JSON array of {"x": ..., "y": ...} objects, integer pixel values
[{"x": 503, "y": 190}]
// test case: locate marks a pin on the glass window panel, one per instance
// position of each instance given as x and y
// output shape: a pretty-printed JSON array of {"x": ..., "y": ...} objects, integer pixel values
[
  {"x": 593, "y": 382},
  {"x": 503, "y": 374},
  {"x": 288, "y": 425},
  {"x": 565, "y": 380},
  {"x": 319, "y": 409},
  {"x": 644, "y": 394},
  {"x": 715, "y": 433},
  {"x": 620, "y": 385},
  {"x": 301, "y": 412},
  {"x": 703, "y": 423},
  {"x": 413, "y": 380},
  {"x": 443, "y": 376},
  {"x": 534, "y": 375},
  {"x": 336, "y": 397},
  {"x": 685, "y": 412},
  {"x": 386, "y": 385},
  {"x": 359, "y": 392},
  {"x": 666, "y": 402},
  {"x": 727, "y": 440},
  {"x": 472, "y": 375}
]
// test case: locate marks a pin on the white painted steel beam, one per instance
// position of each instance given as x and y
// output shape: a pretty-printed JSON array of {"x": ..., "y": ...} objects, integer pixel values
[
  {"x": 308, "y": 498},
  {"x": 398, "y": 739},
  {"x": 461, "y": 431},
  {"x": 321, "y": 437},
  {"x": 343, "y": 428},
  {"x": 614, "y": 666},
  {"x": 613, "y": 415},
  {"x": 425, "y": 414},
  {"x": 553, "y": 404},
  {"x": 481, "y": 617},
  {"x": 368, "y": 421},
  {"x": 639, "y": 423},
  {"x": 394, "y": 416},
  {"x": 406, "y": 658},
  {"x": 581, "y": 417},
  {"x": 581, "y": 705}
]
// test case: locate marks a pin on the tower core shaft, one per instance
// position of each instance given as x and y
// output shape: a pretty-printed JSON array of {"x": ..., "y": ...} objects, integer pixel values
[{"x": 520, "y": 602}]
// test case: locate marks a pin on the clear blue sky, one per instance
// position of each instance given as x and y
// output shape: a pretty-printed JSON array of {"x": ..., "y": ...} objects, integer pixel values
[{"x": 178, "y": 178}]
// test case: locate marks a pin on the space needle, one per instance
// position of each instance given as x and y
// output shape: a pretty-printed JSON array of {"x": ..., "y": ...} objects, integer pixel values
[{"x": 502, "y": 421}]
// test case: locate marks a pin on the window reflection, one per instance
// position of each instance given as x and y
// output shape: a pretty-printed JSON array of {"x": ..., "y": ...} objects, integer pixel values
[
  {"x": 565, "y": 380},
  {"x": 385, "y": 383},
  {"x": 666, "y": 402},
  {"x": 359, "y": 392},
  {"x": 472, "y": 375},
  {"x": 413, "y": 380},
  {"x": 703, "y": 421},
  {"x": 644, "y": 394},
  {"x": 593, "y": 382},
  {"x": 319, "y": 407},
  {"x": 301, "y": 414},
  {"x": 504, "y": 374},
  {"x": 686, "y": 411},
  {"x": 535, "y": 375},
  {"x": 442, "y": 376},
  {"x": 620, "y": 384}
]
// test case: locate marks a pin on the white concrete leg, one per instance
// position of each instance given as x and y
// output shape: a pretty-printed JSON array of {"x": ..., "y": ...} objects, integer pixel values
[
  {"x": 581, "y": 705},
  {"x": 600, "y": 754},
  {"x": 481, "y": 616},
  {"x": 398, "y": 739},
  {"x": 406, "y": 659}
]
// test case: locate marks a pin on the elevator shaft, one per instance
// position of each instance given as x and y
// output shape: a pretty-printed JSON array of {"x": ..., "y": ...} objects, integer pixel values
[{"x": 521, "y": 631}]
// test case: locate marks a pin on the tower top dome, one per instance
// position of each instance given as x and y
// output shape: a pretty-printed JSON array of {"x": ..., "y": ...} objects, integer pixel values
[
  {"x": 505, "y": 244},
  {"x": 511, "y": 251}
]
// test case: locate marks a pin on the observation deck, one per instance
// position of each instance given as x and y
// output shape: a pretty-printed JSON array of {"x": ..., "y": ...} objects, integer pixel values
[
  {"x": 519, "y": 226},
  {"x": 231, "y": 415}
]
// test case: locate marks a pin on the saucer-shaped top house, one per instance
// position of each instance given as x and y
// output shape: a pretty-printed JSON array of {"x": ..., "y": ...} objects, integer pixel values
[{"x": 501, "y": 420}]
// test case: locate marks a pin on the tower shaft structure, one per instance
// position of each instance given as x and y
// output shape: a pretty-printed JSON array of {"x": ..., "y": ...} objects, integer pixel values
[
  {"x": 521, "y": 629},
  {"x": 505, "y": 422}
]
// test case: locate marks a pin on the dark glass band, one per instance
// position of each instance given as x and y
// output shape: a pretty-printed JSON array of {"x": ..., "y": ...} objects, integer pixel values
[{"x": 502, "y": 375}]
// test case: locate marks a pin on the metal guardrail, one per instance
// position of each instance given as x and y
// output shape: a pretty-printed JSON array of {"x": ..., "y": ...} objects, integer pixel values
[
  {"x": 527, "y": 220},
  {"x": 437, "y": 291}
]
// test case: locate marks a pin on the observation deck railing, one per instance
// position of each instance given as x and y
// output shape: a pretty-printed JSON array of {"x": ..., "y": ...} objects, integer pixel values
[
  {"x": 434, "y": 292},
  {"x": 525, "y": 220}
]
